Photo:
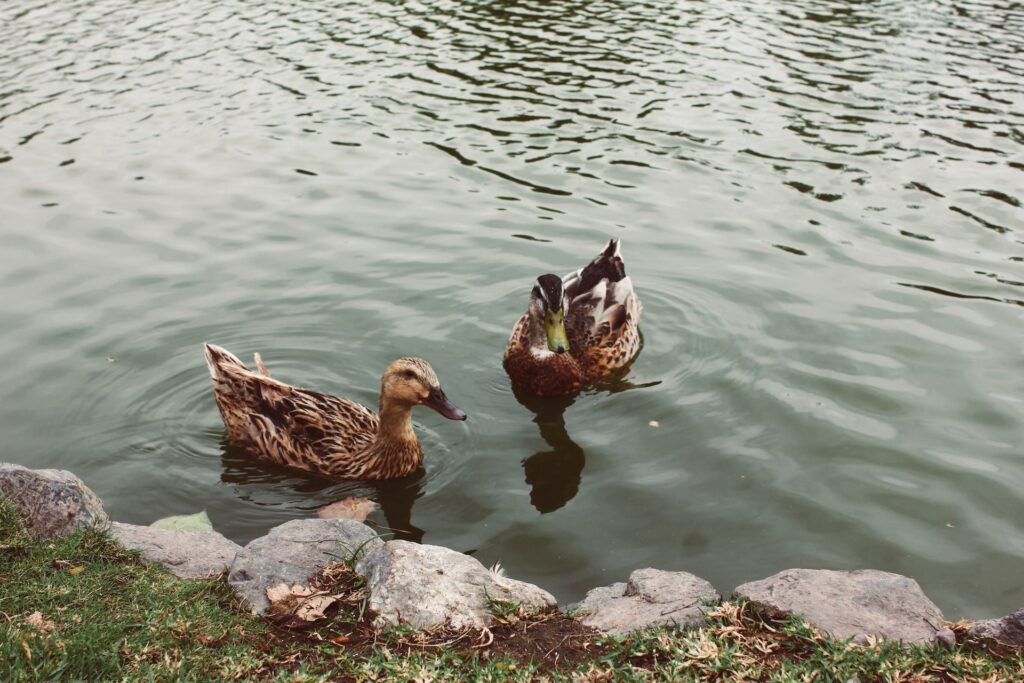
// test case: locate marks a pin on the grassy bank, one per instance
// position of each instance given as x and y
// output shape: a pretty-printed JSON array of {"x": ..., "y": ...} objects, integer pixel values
[{"x": 82, "y": 607}]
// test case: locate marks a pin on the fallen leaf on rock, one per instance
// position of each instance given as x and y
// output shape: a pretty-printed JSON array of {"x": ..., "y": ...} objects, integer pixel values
[
  {"x": 282, "y": 591},
  {"x": 353, "y": 507},
  {"x": 39, "y": 621}
]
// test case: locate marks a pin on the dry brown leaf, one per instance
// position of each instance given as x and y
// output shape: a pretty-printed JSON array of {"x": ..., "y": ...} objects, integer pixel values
[
  {"x": 39, "y": 621},
  {"x": 312, "y": 608},
  {"x": 353, "y": 507},
  {"x": 278, "y": 592},
  {"x": 282, "y": 591},
  {"x": 303, "y": 602}
]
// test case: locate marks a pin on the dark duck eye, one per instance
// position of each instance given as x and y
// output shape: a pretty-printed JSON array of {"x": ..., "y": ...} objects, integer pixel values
[{"x": 408, "y": 374}]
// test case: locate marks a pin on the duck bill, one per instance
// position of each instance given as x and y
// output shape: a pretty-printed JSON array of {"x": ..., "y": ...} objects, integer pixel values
[
  {"x": 554, "y": 327},
  {"x": 439, "y": 402}
]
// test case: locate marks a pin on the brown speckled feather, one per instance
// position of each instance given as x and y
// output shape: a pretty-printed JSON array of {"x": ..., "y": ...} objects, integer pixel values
[
  {"x": 601, "y": 323},
  {"x": 550, "y": 375},
  {"x": 306, "y": 429}
]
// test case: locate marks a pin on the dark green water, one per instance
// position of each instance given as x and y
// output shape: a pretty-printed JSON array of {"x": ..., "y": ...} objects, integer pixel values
[{"x": 819, "y": 204}]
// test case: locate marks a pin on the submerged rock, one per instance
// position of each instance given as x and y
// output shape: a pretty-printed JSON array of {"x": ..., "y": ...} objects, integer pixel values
[
  {"x": 651, "y": 597},
  {"x": 293, "y": 552},
  {"x": 427, "y": 586},
  {"x": 198, "y": 522},
  {"x": 1007, "y": 631},
  {"x": 850, "y": 604},
  {"x": 51, "y": 502},
  {"x": 186, "y": 554}
]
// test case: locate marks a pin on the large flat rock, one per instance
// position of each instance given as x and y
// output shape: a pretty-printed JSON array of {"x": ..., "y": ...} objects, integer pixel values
[
  {"x": 849, "y": 604},
  {"x": 293, "y": 552},
  {"x": 186, "y": 554},
  {"x": 651, "y": 597},
  {"x": 427, "y": 586},
  {"x": 51, "y": 502},
  {"x": 1007, "y": 631}
]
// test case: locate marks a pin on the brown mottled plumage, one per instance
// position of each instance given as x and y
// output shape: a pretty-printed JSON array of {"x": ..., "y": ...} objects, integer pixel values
[
  {"x": 601, "y": 315},
  {"x": 326, "y": 434}
]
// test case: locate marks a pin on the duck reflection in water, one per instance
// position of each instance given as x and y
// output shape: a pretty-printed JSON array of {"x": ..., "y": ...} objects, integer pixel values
[
  {"x": 554, "y": 475},
  {"x": 254, "y": 479}
]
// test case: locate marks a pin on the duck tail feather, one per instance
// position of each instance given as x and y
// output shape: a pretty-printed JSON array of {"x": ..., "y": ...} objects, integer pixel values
[
  {"x": 260, "y": 367},
  {"x": 218, "y": 358},
  {"x": 613, "y": 248}
]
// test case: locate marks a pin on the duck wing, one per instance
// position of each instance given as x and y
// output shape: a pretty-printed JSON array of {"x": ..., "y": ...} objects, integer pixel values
[
  {"x": 289, "y": 425},
  {"x": 607, "y": 265},
  {"x": 604, "y": 311}
]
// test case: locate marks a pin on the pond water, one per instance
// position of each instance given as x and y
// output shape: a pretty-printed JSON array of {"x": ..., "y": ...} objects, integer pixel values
[{"x": 819, "y": 204}]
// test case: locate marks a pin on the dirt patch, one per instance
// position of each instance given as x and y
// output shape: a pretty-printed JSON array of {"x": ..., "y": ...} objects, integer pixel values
[{"x": 548, "y": 640}]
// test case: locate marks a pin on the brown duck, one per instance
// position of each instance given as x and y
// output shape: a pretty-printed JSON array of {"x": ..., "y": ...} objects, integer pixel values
[
  {"x": 577, "y": 329},
  {"x": 326, "y": 434}
]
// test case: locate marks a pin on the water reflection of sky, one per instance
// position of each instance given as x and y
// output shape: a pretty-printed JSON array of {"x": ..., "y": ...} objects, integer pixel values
[{"x": 819, "y": 204}]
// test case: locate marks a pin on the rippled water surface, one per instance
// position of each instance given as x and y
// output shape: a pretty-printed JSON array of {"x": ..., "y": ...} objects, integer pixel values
[{"x": 819, "y": 202}]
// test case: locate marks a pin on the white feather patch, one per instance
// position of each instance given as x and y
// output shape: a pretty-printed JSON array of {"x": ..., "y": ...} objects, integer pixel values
[{"x": 541, "y": 352}]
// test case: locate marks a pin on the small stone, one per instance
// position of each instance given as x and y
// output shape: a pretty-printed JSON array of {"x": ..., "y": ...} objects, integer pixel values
[
  {"x": 51, "y": 502},
  {"x": 849, "y": 603},
  {"x": 293, "y": 552},
  {"x": 651, "y": 597},
  {"x": 186, "y": 554},
  {"x": 945, "y": 637},
  {"x": 1007, "y": 631},
  {"x": 427, "y": 586}
]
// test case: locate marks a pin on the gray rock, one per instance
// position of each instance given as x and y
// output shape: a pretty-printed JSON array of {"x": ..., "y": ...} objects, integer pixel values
[
  {"x": 945, "y": 637},
  {"x": 1007, "y": 631},
  {"x": 426, "y": 586},
  {"x": 848, "y": 604},
  {"x": 293, "y": 552},
  {"x": 651, "y": 597},
  {"x": 186, "y": 554},
  {"x": 51, "y": 502}
]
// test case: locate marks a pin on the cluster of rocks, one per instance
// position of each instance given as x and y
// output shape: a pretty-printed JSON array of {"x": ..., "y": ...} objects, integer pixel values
[{"x": 428, "y": 586}]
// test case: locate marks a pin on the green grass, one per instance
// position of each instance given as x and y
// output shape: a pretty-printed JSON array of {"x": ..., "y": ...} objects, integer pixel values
[{"x": 108, "y": 617}]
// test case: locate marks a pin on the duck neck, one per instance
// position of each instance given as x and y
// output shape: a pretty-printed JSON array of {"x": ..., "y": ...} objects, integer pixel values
[
  {"x": 395, "y": 421},
  {"x": 538, "y": 338},
  {"x": 396, "y": 450}
]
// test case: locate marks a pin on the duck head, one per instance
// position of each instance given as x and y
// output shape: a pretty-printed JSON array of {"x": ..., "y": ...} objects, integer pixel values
[
  {"x": 548, "y": 305},
  {"x": 411, "y": 381}
]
